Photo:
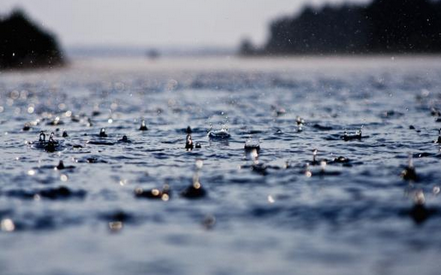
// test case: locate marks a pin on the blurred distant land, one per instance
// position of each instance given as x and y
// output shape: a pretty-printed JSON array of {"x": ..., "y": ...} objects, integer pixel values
[
  {"x": 380, "y": 27},
  {"x": 25, "y": 45},
  {"x": 376, "y": 27}
]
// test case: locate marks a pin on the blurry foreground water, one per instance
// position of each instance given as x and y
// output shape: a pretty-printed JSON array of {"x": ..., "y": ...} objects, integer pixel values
[{"x": 271, "y": 215}]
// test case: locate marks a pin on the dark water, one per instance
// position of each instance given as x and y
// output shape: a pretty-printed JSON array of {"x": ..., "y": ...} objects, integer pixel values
[{"x": 280, "y": 217}]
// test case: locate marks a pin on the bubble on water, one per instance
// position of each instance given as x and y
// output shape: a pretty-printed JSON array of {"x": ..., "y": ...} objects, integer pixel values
[
  {"x": 436, "y": 190},
  {"x": 425, "y": 92},
  {"x": 110, "y": 121},
  {"x": 68, "y": 114},
  {"x": 24, "y": 94},
  {"x": 165, "y": 197},
  {"x": 31, "y": 110},
  {"x": 119, "y": 86},
  {"x": 14, "y": 94},
  {"x": 7, "y": 225},
  {"x": 171, "y": 85},
  {"x": 63, "y": 177},
  {"x": 31, "y": 172},
  {"x": 209, "y": 221}
]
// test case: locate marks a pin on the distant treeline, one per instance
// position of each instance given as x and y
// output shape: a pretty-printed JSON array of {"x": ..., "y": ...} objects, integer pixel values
[
  {"x": 383, "y": 26},
  {"x": 24, "y": 45}
]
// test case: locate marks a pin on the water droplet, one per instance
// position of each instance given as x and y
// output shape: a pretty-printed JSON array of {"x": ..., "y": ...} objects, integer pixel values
[
  {"x": 7, "y": 225},
  {"x": 165, "y": 197},
  {"x": 199, "y": 164},
  {"x": 123, "y": 182},
  {"x": 419, "y": 197},
  {"x": 308, "y": 172},
  {"x": 116, "y": 226},
  {"x": 63, "y": 177},
  {"x": 271, "y": 199}
]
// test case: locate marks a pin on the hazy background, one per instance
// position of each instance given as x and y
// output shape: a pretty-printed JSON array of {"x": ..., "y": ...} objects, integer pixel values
[{"x": 158, "y": 23}]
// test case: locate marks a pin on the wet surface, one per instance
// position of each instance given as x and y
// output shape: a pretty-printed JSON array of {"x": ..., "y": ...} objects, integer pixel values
[{"x": 249, "y": 196}]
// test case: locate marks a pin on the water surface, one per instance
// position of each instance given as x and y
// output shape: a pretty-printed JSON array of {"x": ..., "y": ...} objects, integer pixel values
[{"x": 357, "y": 217}]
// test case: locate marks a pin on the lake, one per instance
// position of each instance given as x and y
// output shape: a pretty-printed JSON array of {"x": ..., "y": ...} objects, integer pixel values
[{"x": 318, "y": 191}]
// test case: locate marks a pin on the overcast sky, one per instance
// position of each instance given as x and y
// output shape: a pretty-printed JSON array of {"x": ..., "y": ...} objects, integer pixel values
[{"x": 158, "y": 22}]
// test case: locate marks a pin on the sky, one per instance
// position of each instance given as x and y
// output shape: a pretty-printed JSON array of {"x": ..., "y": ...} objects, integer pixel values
[{"x": 191, "y": 23}]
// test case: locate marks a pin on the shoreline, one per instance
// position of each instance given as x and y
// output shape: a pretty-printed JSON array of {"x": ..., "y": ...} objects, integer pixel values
[{"x": 210, "y": 64}]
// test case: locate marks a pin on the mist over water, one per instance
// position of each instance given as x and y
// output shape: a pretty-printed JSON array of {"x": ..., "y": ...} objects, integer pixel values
[{"x": 344, "y": 211}]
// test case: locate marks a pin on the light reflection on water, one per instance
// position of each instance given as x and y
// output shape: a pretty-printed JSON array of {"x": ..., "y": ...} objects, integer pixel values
[{"x": 341, "y": 209}]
